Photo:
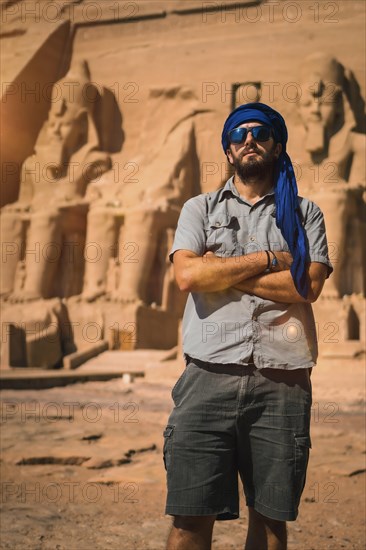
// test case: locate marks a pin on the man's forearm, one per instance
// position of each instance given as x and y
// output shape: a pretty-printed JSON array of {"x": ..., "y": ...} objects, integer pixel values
[
  {"x": 279, "y": 287},
  {"x": 211, "y": 273}
]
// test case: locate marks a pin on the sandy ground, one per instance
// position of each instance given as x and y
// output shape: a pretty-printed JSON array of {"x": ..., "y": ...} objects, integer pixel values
[{"x": 82, "y": 466}]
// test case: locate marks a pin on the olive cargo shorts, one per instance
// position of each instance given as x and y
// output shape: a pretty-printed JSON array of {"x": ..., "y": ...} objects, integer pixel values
[{"x": 231, "y": 419}]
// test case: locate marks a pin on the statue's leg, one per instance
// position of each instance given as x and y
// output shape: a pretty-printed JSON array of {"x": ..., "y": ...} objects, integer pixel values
[
  {"x": 42, "y": 255},
  {"x": 12, "y": 241},
  {"x": 337, "y": 207},
  {"x": 137, "y": 250},
  {"x": 71, "y": 269},
  {"x": 100, "y": 240}
]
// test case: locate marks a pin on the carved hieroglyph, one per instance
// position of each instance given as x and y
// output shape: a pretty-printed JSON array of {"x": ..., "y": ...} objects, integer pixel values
[{"x": 44, "y": 231}]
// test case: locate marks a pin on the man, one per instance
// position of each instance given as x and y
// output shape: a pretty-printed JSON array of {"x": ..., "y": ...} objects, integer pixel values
[{"x": 253, "y": 256}]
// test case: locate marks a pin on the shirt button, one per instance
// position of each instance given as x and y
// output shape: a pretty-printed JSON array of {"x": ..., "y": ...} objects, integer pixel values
[
  {"x": 217, "y": 224},
  {"x": 252, "y": 239}
]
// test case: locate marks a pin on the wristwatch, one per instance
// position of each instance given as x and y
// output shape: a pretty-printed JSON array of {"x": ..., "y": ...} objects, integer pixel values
[{"x": 271, "y": 263}]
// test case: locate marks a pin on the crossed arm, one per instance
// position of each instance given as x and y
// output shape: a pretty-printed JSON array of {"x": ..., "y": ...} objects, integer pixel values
[{"x": 210, "y": 273}]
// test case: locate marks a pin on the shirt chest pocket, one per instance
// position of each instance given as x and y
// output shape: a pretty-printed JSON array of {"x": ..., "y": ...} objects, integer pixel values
[
  {"x": 268, "y": 233},
  {"x": 221, "y": 234}
]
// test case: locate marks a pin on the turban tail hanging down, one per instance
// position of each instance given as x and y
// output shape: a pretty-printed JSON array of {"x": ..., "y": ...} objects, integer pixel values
[{"x": 288, "y": 214}]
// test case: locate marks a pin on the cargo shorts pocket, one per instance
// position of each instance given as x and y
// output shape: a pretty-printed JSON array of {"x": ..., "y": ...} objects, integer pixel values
[
  {"x": 167, "y": 448},
  {"x": 178, "y": 385},
  {"x": 302, "y": 449}
]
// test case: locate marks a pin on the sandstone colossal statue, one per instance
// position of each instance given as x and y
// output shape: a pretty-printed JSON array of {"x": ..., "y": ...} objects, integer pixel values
[
  {"x": 131, "y": 224},
  {"x": 44, "y": 231},
  {"x": 332, "y": 164},
  {"x": 71, "y": 202}
]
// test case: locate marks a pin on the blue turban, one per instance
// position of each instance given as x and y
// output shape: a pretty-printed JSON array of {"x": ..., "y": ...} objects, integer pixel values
[{"x": 288, "y": 214}]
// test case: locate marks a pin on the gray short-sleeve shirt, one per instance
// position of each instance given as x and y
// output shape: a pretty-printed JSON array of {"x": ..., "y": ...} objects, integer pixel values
[{"x": 230, "y": 326}]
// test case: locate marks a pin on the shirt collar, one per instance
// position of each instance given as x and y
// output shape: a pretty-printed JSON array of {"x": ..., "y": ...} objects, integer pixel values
[{"x": 229, "y": 188}]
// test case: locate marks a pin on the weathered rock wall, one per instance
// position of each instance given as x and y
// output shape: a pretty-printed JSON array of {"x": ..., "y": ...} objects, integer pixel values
[{"x": 98, "y": 161}]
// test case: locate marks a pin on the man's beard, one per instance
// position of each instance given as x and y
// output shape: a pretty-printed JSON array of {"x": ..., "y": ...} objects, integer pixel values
[{"x": 255, "y": 168}]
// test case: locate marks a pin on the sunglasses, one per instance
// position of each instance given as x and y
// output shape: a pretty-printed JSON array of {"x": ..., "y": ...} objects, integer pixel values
[{"x": 259, "y": 133}]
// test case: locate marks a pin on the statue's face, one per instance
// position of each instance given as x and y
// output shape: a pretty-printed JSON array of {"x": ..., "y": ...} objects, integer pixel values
[
  {"x": 66, "y": 131},
  {"x": 321, "y": 108},
  {"x": 59, "y": 129},
  {"x": 319, "y": 103},
  {"x": 63, "y": 125}
]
